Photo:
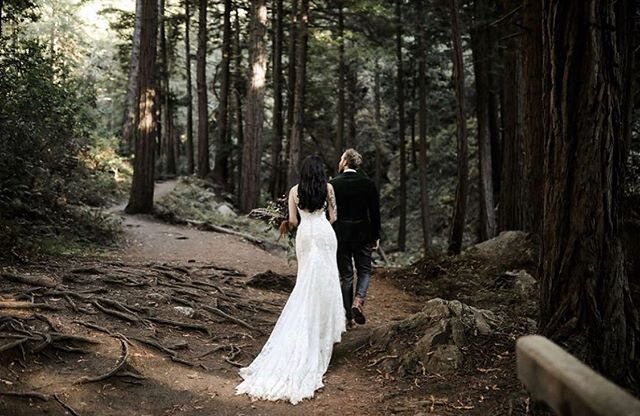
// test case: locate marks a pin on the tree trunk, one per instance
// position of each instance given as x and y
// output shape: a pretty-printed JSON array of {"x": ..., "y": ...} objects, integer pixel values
[
  {"x": 238, "y": 89},
  {"x": 203, "y": 112},
  {"x": 512, "y": 195},
  {"x": 127, "y": 141},
  {"x": 533, "y": 127},
  {"x": 378, "y": 118},
  {"x": 223, "y": 149},
  {"x": 141, "y": 197},
  {"x": 460, "y": 209},
  {"x": 187, "y": 43},
  {"x": 167, "y": 117},
  {"x": 402, "y": 203},
  {"x": 480, "y": 48},
  {"x": 352, "y": 108},
  {"x": 585, "y": 301},
  {"x": 340, "y": 106},
  {"x": 251, "y": 148},
  {"x": 295, "y": 141},
  {"x": 275, "y": 186},
  {"x": 422, "y": 129}
]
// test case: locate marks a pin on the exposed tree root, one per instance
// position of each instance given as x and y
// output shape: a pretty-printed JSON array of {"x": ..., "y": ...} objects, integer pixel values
[{"x": 121, "y": 362}]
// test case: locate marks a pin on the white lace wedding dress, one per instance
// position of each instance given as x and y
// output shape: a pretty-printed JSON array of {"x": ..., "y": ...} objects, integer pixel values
[{"x": 296, "y": 356}]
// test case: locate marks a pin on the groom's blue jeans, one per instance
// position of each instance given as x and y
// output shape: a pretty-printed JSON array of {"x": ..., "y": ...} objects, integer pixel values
[{"x": 350, "y": 253}]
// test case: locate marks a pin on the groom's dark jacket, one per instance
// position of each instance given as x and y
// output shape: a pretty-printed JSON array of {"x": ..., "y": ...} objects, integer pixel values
[{"x": 358, "y": 208}]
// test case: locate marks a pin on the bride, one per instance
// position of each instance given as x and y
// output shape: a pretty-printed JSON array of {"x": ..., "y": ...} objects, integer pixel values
[{"x": 297, "y": 354}]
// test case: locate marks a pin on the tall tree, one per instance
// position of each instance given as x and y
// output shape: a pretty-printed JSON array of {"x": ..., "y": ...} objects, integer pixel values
[
  {"x": 238, "y": 88},
  {"x": 141, "y": 197},
  {"x": 512, "y": 195},
  {"x": 402, "y": 226},
  {"x": 295, "y": 140},
  {"x": 127, "y": 143},
  {"x": 168, "y": 149},
  {"x": 221, "y": 174},
  {"x": 187, "y": 45},
  {"x": 460, "y": 209},
  {"x": 533, "y": 126},
  {"x": 480, "y": 44},
  {"x": 276, "y": 186},
  {"x": 585, "y": 301},
  {"x": 377, "y": 108},
  {"x": 340, "y": 104},
  {"x": 352, "y": 104},
  {"x": 422, "y": 128},
  {"x": 203, "y": 112},
  {"x": 251, "y": 148}
]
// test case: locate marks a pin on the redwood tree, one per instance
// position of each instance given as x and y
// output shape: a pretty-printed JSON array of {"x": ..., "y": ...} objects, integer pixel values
[
  {"x": 223, "y": 149},
  {"x": 141, "y": 197},
  {"x": 422, "y": 128},
  {"x": 402, "y": 226},
  {"x": 276, "y": 186},
  {"x": 480, "y": 47},
  {"x": 251, "y": 148},
  {"x": 585, "y": 301},
  {"x": 129, "y": 119},
  {"x": 187, "y": 45},
  {"x": 203, "y": 113},
  {"x": 460, "y": 209},
  {"x": 295, "y": 138}
]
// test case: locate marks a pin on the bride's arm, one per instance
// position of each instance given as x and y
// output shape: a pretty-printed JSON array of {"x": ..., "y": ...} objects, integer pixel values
[
  {"x": 331, "y": 204},
  {"x": 293, "y": 207}
]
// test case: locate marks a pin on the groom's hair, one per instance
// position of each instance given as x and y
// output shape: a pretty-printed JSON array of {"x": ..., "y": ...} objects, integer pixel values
[{"x": 353, "y": 158}]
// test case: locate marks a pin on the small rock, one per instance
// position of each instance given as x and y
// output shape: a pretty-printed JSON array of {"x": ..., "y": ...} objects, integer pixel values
[
  {"x": 185, "y": 310},
  {"x": 524, "y": 282},
  {"x": 226, "y": 211}
]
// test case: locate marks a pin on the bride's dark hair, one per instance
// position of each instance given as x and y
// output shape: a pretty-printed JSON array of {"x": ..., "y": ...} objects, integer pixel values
[{"x": 312, "y": 189}]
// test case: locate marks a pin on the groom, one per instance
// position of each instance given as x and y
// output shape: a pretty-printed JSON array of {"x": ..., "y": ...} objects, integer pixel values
[{"x": 357, "y": 229}]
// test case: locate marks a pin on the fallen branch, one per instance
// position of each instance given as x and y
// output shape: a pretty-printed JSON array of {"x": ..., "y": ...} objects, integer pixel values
[
  {"x": 28, "y": 280},
  {"x": 381, "y": 359}
]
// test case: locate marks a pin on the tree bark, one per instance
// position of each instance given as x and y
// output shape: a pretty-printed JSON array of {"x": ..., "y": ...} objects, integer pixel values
[
  {"x": 251, "y": 148},
  {"x": 221, "y": 174},
  {"x": 422, "y": 129},
  {"x": 167, "y": 117},
  {"x": 460, "y": 209},
  {"x": 352, "y": 107},
  {"x": 378, "y": 118},
  {"x": 295, "y": 141},
  {"x": 480, "y": 45},
  {"x": 512, "y": 194},
  {"x": 238, "y": 89},
  {"x": 127, "y": 141},
  {"x": 533, "y": 126},
  {"x": 276, "y": 186},
  {"x": 340, "y": 106},
  {"x": 402, "y": 203},
  {"x": 141, "y": 197},
  {"x": 585, "y": 301},
  {"x": 187, "y": 44},
  {"x": 291, "y": 84},
  {"x": 203, "y": 112}
]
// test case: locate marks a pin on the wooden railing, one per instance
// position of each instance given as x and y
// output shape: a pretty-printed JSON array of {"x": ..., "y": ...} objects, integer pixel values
[{"x": 569, "y": 387}]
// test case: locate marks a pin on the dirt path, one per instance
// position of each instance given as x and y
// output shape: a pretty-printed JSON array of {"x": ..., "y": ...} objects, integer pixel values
[
  {"x": 153, "y": 240},
  {"x": 143, "y": 278}
]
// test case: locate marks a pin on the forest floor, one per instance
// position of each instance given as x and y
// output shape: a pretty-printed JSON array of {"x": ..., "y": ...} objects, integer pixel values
[{"x": 160, "y": 327}]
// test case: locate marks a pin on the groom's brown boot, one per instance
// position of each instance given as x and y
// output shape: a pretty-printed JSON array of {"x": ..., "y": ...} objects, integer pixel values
[{"x": 356, "y": 311}]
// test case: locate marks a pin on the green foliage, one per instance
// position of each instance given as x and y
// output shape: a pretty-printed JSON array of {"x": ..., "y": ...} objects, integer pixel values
[{"x": 43, "y": 180}]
